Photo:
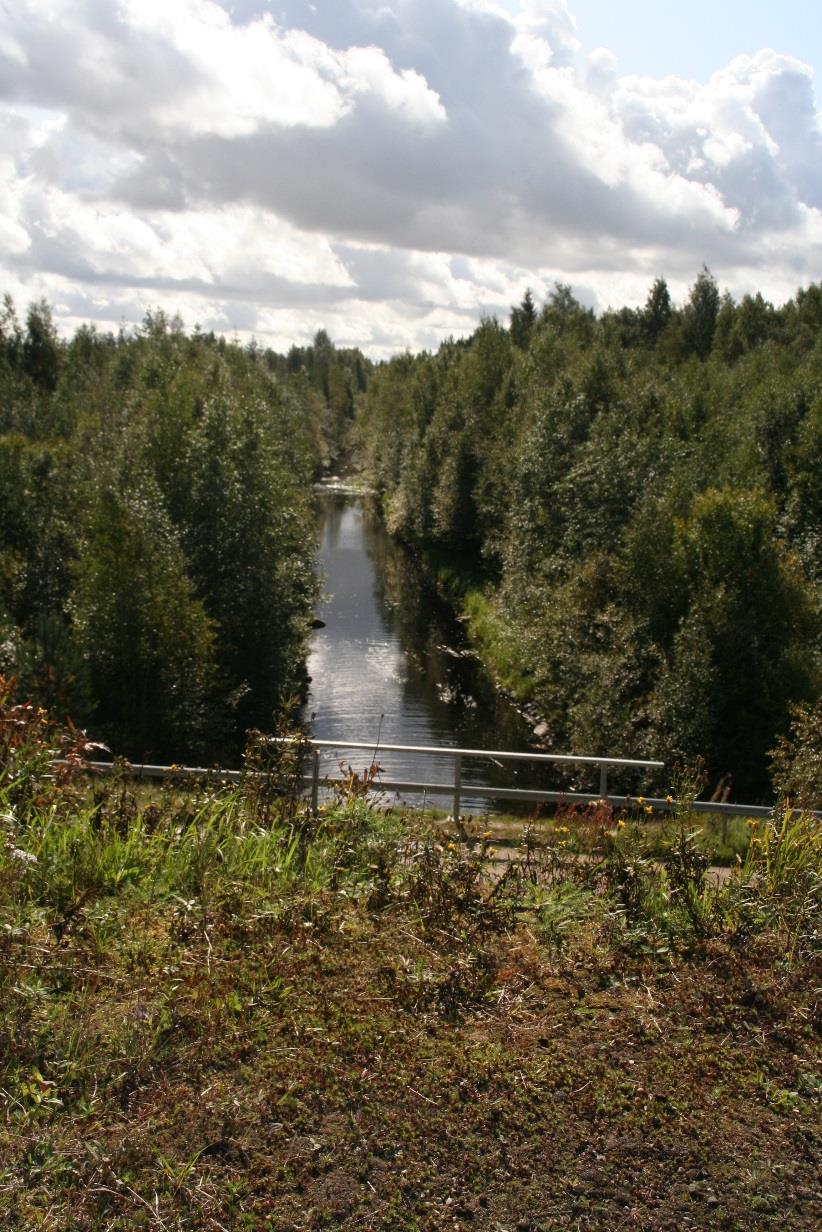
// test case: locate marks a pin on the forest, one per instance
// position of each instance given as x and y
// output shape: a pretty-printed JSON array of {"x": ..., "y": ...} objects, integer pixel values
[
  {"x": 626, "y": 508},
  {"x": 629, "y": 510},
  {"x": 156, "y": 528}
]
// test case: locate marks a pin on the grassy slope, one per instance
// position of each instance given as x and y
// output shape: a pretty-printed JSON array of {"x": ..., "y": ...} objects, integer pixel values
[
  {"x": 472, "y": 596},
  {"x": 218, "y": 1016},
  {"x": 294, "y": 1079}
]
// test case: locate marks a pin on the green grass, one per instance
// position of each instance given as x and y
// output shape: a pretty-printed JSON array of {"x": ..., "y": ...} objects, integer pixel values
[
  {"x": 467, "y": 591},
  {"x": 500, "y": 655},
  {"x": 724, "y": 840},
  {"x": 217, "y": 1011}
]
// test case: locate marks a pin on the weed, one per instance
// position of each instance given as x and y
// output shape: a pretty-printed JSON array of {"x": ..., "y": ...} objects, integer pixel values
[
  {"x": 218, "y": 1008},
  {"x": 780, "y": 884}
]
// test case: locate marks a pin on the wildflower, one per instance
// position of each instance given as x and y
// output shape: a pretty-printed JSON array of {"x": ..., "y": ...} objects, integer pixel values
[
  {"x": 452, "y": 846},
  {"x": 669, "y": 799},
  {"x": 488, "y": 834},
  {"x": 649, "y": 808},
  {"x": 25, "y": 857},
  {"x": 752, "y": 823},
  {"x": 640, "y": 799},
  {"x": 562, "y": 830},
  {"x": 620, "y": 824}
]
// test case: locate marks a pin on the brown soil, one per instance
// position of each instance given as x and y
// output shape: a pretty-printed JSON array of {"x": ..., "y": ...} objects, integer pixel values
[{"x": 348, "y": 1072}]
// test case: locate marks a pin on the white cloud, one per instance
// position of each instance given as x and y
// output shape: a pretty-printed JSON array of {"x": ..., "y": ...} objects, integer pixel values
[
  {"x": 550, "y": 20},
  {"x": 258, "y": 73},
  {"x": 385, "y": 171}
]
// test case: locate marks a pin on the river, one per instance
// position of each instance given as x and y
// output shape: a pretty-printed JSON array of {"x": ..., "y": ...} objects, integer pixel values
[{"x": 391, "y": 664}]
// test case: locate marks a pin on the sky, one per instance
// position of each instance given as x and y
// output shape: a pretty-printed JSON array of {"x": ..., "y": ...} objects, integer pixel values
[{"x": 393, "y": 171}]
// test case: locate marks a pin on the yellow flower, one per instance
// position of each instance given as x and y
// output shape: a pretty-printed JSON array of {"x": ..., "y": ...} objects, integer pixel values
[
  {"x": 669, "y": 799},
  {"x": 620, "y": 824},
  {"x": 488, "y": 834},
  {"x": 640, "y": 799},
  {"x": 452, "y": 846},
  {"x": 649, "y": 808}
]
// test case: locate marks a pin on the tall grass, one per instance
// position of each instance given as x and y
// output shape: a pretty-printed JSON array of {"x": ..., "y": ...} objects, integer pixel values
[{"x": 67, "y": 843}]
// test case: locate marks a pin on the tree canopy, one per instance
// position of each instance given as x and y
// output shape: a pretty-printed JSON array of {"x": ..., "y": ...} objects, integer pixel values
[
  {"x": 156, "y": 529},
  {"x": 639, "y": 495}
]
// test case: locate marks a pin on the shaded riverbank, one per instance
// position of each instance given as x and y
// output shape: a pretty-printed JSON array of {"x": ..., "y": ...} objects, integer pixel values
[{"x": 391, "y": 664}]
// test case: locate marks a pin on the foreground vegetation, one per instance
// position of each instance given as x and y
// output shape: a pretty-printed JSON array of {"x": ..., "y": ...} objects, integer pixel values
[
  {"x": 628, "y": 510},
  {"x": 218, "y": 1011}
]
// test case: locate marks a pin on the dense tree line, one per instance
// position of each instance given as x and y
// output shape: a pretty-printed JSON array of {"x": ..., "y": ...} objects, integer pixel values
[
  {"x": 156, "y": 530},
  {"x": 332, "y": 378},
  {"x": 637, "y": 502}
]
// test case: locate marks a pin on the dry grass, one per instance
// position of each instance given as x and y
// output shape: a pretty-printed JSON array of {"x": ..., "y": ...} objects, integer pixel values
[{"x": 218, "y": 1012}]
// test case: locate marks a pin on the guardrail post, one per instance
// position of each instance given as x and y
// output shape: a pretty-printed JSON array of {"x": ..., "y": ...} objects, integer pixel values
[
  {"x": 457, "y": 786},
  {"x": 315, "y": 780},
  {"x": 603, "y": 782}
]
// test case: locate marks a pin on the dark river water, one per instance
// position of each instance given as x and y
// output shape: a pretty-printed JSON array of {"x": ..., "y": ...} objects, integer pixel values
[{"x": 391, "y": 664}]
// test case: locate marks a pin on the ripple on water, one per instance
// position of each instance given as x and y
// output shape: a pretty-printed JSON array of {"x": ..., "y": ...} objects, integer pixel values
[{"x": 388, "y": 665}]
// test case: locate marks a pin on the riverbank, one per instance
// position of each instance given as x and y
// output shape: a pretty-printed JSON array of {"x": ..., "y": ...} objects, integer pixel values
[
  {"x": 343, "y": 485},
  {"x": 221, "y": 1012},
  {"x": 470, "y": 598},
  {"x": 390, "y": 663},
  {"x": 489, "y": 631}
]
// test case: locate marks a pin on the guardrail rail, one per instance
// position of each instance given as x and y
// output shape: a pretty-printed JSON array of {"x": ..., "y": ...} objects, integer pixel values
[{"x": 456, "y": 789}]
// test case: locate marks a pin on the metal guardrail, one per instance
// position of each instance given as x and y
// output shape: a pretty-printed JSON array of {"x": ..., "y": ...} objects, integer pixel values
[{"x": 456, "y": 789}]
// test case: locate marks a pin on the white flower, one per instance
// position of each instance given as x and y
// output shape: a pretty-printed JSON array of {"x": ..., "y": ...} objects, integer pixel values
[{"x": 25, "y": 857}]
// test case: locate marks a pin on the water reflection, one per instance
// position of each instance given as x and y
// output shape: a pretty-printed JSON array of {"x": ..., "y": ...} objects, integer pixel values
[{"x": 391, "y": 664}]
